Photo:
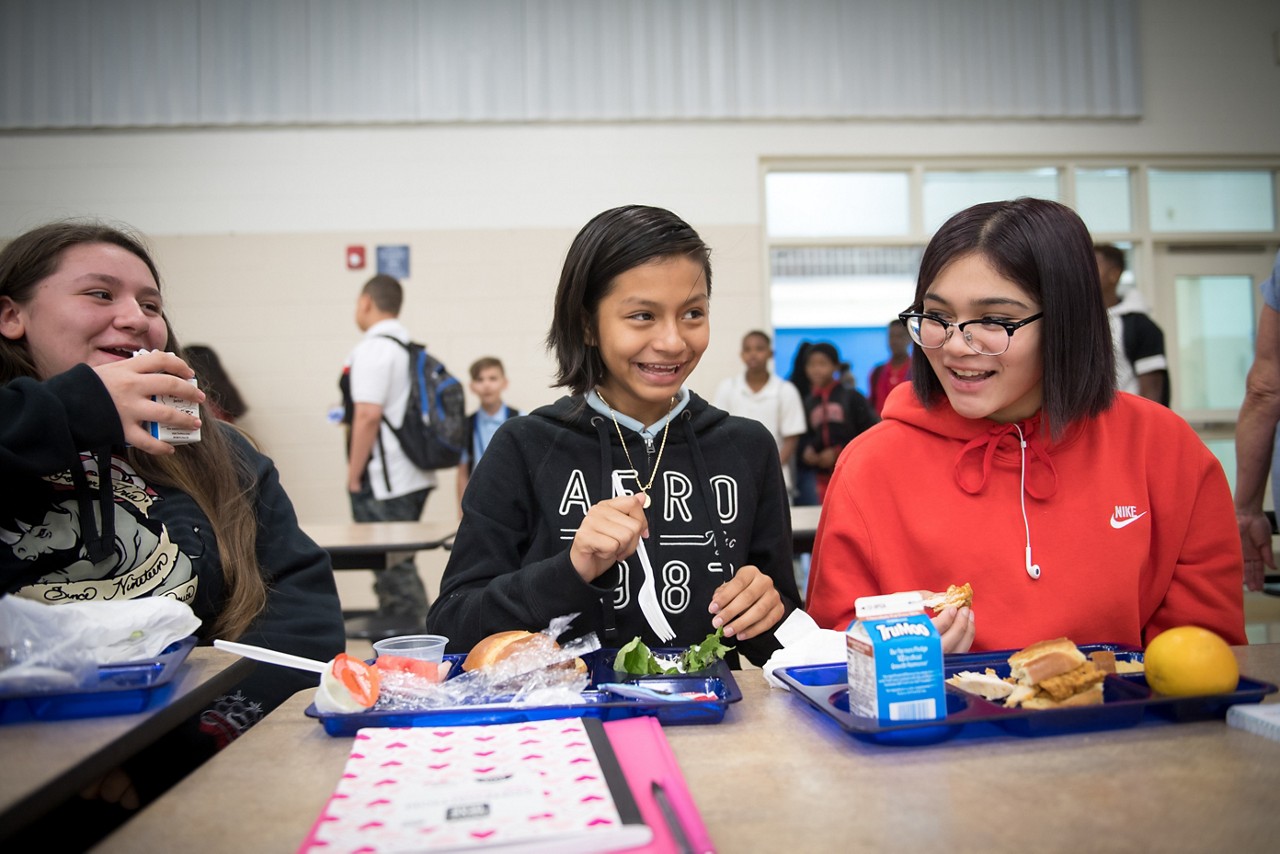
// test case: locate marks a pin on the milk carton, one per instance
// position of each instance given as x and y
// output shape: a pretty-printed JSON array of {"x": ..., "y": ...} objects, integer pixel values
[
  {"x": 895, "y": 660},
  {"x": 166, "y": 432}
]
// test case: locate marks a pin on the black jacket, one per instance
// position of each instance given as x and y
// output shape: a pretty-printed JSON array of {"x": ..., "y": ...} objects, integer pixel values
[
  {"x": 718, "y": 504},
  {"x": 66, "y": 535}
]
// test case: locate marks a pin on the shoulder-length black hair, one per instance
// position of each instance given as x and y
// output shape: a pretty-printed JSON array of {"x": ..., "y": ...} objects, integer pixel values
[
  {"x": 610, "y": 244},
  {"x": 1045, "y": 249}
]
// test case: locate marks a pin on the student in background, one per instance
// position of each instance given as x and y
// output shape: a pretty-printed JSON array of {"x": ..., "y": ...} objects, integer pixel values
[
  {"x": 1141, "y": 365},
  {"x": 835, "y": 414},
  {"x": 1012, "y": 464},
  {"x": 758, "y": 393},
  {"x": 94, "y": 506},
  {"x": 221, "y": 395},
  {"x": 383, "y": 484},
  {"x": 1256, "y": 438},
  {"x": 886, "y": 376},
  {"x": 805, "y": 492},
  {"x": 632, "y": 502},
  {"x": 488, "y": 382}
]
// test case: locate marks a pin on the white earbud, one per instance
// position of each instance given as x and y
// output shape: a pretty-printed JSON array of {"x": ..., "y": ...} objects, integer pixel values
[{"x": 1033, "y": 569}]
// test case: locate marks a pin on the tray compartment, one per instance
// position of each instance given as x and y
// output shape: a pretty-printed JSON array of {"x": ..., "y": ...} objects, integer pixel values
[{"x": 123, "y": 689}]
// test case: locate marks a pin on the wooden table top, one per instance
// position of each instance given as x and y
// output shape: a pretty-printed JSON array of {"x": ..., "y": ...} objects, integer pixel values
[
  {"x": 776, "y": 775},
  {"x": 46, "y": 762}
]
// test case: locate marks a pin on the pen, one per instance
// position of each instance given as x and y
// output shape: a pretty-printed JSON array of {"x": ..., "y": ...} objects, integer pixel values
[{"x": 672, "y": 820}]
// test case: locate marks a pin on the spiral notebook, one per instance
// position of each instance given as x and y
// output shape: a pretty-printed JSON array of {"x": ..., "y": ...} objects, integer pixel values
[
  {"x": 1261, "y": 720},
  {"x": 538, "y": 786}
]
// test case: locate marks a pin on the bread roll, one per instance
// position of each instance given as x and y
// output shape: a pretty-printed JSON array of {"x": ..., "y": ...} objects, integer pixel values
[
  {"x": 1045, "y": 660},
  {"x": 503, "y": 645},
  {"x": 499, "y": 647}
]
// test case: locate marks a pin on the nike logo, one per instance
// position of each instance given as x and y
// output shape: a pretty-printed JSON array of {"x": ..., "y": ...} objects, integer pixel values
[{"x": 1118, "y": 523}]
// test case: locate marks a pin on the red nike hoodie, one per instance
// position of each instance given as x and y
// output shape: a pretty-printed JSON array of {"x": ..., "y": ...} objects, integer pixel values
[{"x": 1128, "y": 518}]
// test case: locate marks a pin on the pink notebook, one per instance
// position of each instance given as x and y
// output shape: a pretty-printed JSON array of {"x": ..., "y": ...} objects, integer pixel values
[
  {"x": 645, "y": 756},
  {"x": 552, "y": 786}
]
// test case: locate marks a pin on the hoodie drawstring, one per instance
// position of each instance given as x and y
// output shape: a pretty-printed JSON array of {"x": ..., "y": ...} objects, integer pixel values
[
  {"x": 991, "y": 441},
  {"x": 98, "y": 544}
]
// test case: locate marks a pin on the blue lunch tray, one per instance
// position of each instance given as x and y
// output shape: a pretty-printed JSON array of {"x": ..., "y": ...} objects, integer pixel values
[
  {"x": 717, "y": 680},
  {"x": 123, "y": 689},
  {"x": 1126, "y": 701}
]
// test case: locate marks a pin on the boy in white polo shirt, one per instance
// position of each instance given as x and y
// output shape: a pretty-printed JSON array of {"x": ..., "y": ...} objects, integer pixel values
[{"x": 760, "y": 394}]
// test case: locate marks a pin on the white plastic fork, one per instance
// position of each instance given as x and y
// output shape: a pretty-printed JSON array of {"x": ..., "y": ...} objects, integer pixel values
[
  {"x": 270, "y": 656},
  {"x": 648, "y": 597}
]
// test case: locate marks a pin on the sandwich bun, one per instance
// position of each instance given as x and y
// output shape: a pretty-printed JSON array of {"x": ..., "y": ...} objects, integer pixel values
[
  {"x": 501, "y": 646},
  {"x": 1091, "y": 696},
  {"x": 1045, "y": 660}
]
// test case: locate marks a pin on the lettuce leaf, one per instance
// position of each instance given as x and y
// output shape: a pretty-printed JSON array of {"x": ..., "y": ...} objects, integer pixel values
[
  {"x": 700, "y": 656},
  {"x": 638, "y": 660}
]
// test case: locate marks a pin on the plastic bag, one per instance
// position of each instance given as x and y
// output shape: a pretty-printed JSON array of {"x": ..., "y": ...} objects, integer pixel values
[
  {"x": 540, "y": 676},
  {"x": 48, "y": 649}
]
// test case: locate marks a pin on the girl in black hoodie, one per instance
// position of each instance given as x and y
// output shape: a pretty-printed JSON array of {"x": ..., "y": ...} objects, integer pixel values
[{"x": 632, "y": 502}]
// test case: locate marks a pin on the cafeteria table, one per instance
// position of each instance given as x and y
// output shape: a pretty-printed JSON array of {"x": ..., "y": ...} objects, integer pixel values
[
  {"x": 374, "y": 546},
  {"x": 777, "y": 775},
  {"x": 47, "y": 762},
  {"x": 804, "y": 527}
]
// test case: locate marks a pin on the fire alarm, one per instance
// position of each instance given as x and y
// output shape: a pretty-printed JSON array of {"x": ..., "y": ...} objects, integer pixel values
[{"x": 355, "y": 257}]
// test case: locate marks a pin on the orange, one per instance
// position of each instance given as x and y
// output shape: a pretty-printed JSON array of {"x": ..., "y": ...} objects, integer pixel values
[{"x": 1188, "y": 660}]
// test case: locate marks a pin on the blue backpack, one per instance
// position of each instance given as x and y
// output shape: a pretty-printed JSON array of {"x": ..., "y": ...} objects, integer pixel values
[{"x": 434, "y": 432}]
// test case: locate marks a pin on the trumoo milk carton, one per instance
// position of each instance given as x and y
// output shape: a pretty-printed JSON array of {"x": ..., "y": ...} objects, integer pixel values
[{"x": 895, "y": 660}]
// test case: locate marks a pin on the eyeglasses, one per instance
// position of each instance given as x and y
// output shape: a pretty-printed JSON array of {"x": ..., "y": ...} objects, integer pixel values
[{"x": 985, "y": 336}]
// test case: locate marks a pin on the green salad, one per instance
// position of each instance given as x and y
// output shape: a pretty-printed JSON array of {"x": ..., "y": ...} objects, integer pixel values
[{"x": 637, "y": 659}]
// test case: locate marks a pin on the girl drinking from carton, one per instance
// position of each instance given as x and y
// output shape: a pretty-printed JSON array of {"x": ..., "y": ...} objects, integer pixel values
[
  {"x": 96, "y": 508},
  {"x": 1011, "y": 462},
  {"x": 631, "y": 502}
]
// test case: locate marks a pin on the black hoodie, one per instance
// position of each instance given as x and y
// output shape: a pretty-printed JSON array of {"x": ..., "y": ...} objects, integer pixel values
[
  {"x": 718, "y": 504},
  {"x": 67, "y": 534}
]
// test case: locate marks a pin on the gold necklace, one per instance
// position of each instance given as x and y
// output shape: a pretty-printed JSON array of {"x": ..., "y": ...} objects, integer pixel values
[{"x": 644, "y": 488}]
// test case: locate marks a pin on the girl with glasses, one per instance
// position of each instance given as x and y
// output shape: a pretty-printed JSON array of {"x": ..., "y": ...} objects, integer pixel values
[{"x": 1012, "y": 463}]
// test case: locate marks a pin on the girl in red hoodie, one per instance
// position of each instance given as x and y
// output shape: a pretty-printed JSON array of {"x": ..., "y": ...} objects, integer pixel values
[{"x": 1012, "y": 463}]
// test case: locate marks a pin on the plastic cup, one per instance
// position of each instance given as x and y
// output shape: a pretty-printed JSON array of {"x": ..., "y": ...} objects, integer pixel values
[{"x": 420, "y": 647}]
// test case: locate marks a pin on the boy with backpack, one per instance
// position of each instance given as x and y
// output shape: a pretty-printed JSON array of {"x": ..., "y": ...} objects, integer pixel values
[{"x": 384, "y": 485}]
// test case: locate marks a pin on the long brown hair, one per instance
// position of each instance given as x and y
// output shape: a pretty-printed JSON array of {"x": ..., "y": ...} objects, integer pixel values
[{"x": 213, "y": 471}]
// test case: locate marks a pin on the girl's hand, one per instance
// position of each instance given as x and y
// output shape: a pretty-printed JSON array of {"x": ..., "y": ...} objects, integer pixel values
[
  {"x": 809, "y": 457},
  {"x": 746, "y": 605},
  {"x": 132, "y": 383},
  {"x": 610, "y": 532},
  {"x": 956, "y": 627}
]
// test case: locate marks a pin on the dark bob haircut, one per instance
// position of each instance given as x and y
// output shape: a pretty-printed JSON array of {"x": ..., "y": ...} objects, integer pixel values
[
  {"x": 1045, "y": 249},
  {"x": 608, "y": 246}
]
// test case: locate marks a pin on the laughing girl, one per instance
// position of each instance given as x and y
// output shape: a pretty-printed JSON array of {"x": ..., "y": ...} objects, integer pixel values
[
  {"x": 632, "y": 501},
  {"x": 1012, "y": 463}
]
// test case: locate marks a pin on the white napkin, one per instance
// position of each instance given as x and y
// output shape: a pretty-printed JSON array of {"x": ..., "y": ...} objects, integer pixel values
[
  {"x": 53, "y": 645},
  {"x": 803, "y": 643}
]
